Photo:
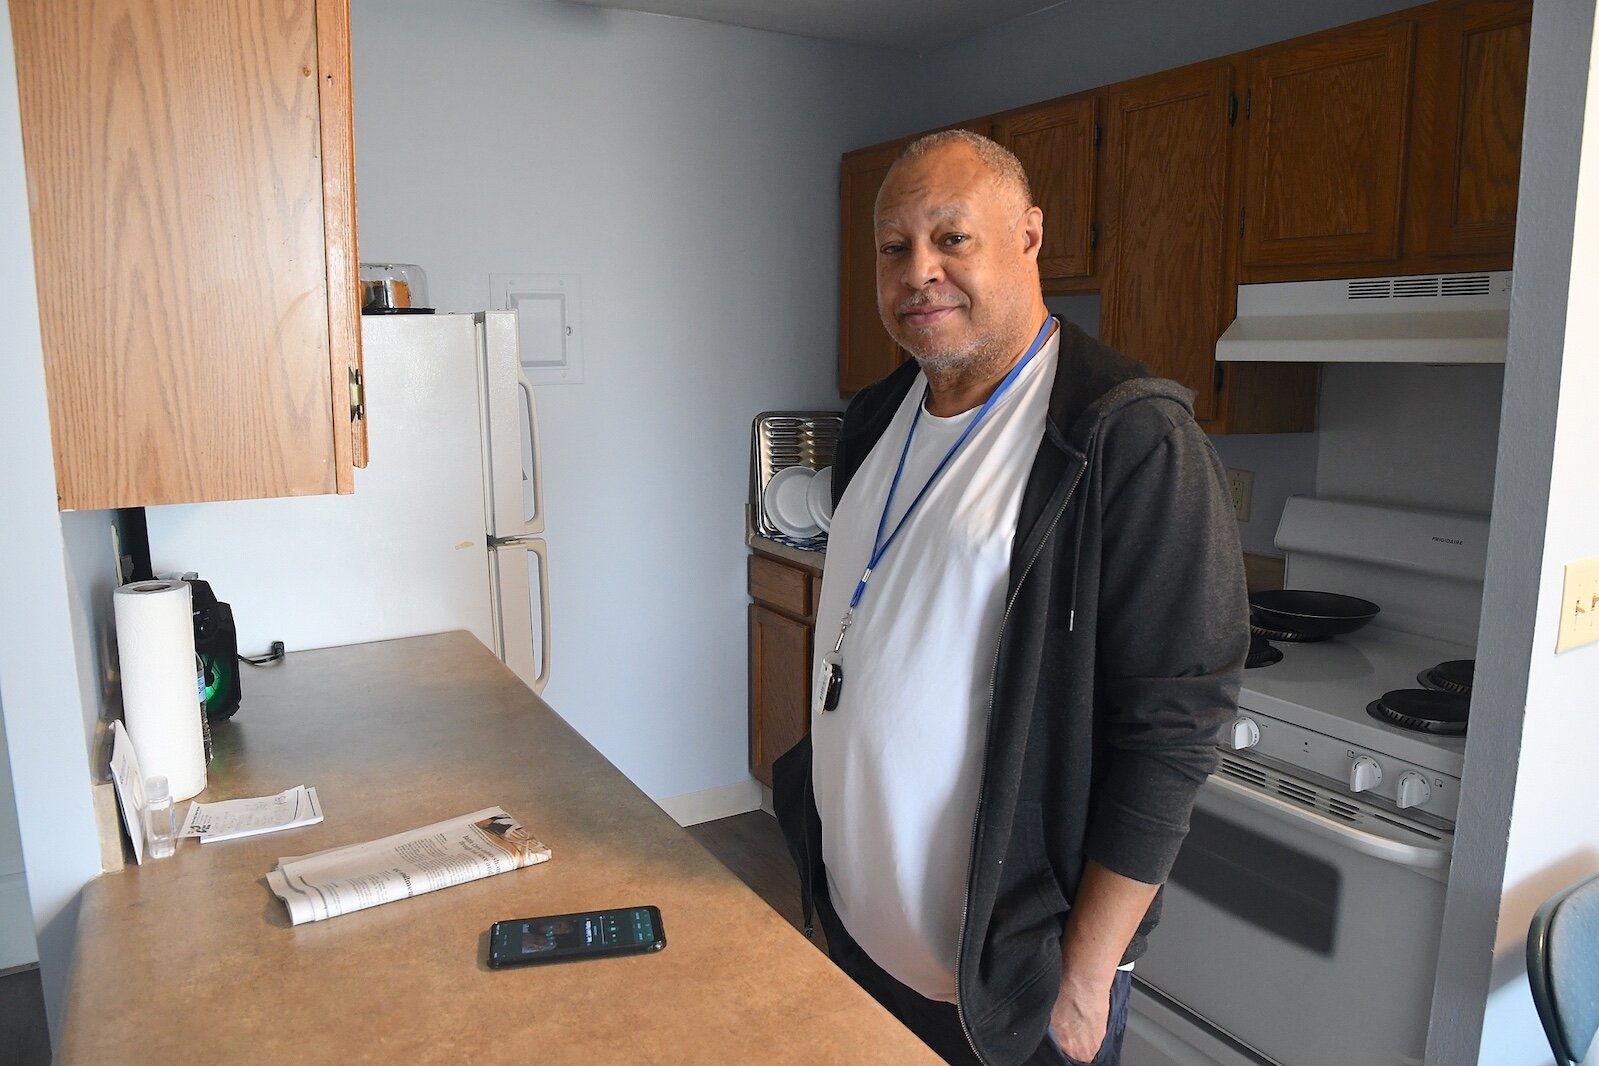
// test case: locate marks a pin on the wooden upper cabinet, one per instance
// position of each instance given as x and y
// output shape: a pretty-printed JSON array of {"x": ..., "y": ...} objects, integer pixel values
[
  {"x": 1169, "y": 290},
  {"x": 191, "y": 179},
  {"x": 1469, "y": 162},
  {"x": 1326, "y": 147},
  {"x": 1056, "y": 144},
  {"x": 866, "y": 352}
]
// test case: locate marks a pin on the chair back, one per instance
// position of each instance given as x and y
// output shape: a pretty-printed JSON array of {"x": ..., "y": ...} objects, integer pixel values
[{"x": 1563, "y": 968}]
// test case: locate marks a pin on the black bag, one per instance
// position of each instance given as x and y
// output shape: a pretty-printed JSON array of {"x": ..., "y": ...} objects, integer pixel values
[{"x": 216, "y": 645}]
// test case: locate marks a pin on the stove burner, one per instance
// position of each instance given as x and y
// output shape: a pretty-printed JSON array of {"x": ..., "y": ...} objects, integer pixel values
[
  {"x": 1452, "y": 676},
  {"x": 1261, "y": 653},
  {"x": 1423, "y": 710},
  {"x": 1256, "y": 629}
]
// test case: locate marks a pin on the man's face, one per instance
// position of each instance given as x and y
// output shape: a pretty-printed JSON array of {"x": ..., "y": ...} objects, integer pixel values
[{"x": 957, "y": 258}]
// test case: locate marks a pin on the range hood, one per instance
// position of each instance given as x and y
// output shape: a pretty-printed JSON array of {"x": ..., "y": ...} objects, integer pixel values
[{"x": 1434, "y": 318}]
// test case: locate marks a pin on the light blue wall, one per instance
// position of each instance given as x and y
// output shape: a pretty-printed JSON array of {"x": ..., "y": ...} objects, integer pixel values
[
  {"x": 688, "y": 174},
  {"x": 39, "y": 664}
]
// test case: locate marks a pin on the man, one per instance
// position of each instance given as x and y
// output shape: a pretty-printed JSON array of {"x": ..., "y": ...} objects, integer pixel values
[{"x": 1031, "y": 630}]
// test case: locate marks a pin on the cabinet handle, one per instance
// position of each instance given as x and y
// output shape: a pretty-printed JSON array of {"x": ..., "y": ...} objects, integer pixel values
[
  {"x": 357, "y": 396},
  {"x": 1093, "y": 235},
  {"x": 1232, "y": 109}
]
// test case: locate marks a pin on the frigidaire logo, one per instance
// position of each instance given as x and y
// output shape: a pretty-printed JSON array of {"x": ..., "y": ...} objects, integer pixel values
[{"x": 1448, "y": 540}]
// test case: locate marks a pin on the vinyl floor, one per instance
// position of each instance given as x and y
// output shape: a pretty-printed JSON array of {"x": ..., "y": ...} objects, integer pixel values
[
  {"x": 24, "y": 1036},
  {"x": 751, "y": 845}
]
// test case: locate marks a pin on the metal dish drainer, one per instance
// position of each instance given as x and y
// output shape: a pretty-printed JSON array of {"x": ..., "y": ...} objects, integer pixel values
[{"x": 781, "y": 439}]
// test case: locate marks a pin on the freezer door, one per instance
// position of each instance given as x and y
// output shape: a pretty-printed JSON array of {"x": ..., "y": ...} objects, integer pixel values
[{"x": 521, "y": 584}]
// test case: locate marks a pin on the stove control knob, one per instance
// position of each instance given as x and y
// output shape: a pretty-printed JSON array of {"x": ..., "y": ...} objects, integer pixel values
[
  {"x": 1364, "y": 773},
  {"x": 1413, "y": 789},
  {"x": 1242, "y": 733}
]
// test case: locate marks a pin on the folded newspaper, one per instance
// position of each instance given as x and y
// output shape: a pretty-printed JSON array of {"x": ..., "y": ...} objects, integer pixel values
[{"x": 358, "y": 876}]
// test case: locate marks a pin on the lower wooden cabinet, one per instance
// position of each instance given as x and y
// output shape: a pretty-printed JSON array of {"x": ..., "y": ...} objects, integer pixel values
[{"x": 782, "y": 622}]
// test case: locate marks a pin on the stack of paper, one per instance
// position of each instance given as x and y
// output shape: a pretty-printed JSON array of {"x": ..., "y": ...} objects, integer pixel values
[{"x": 231, "y": 819}]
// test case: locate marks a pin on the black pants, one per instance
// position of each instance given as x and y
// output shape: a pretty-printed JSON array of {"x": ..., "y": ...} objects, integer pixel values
[{"x": 938, "y": 1024}]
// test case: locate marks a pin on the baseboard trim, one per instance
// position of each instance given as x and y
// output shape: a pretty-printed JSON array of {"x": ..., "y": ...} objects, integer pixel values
[{"x": 692, "y": 808}]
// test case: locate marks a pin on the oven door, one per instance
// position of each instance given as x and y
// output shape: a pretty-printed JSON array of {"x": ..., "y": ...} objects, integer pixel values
[{"x": 1301, "y": 923}]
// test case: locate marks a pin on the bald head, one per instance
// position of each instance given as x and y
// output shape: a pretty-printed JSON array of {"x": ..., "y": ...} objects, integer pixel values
[
  {"x": 957, "y": 261},
  {"x": 1010, "y": 180}
]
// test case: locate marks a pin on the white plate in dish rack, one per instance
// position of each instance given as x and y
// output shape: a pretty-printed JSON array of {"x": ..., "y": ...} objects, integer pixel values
[
  {"x": 819, "y": 498},
  {"x": 785, "y": 500}
]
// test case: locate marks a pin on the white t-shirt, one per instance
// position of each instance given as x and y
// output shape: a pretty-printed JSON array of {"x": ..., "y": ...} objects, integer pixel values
[{"x": 897, "y": 765}]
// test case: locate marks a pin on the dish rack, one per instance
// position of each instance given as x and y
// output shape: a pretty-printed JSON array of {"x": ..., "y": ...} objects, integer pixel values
[{"x": 780, "y": 439}]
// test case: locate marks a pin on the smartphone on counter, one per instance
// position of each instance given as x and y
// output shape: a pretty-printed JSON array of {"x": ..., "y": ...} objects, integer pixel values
[{"x": 587, "y": 935}]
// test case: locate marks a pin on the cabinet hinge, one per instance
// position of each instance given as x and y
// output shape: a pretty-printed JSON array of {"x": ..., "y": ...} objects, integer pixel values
[
  {"x": 1220, "y": 376},
  {"x": 1099, "y": 133},
  {"x": 1093, "y": 235},
  {"x": 357, "y": 395},
  {"x": 1232, "y": 109}
]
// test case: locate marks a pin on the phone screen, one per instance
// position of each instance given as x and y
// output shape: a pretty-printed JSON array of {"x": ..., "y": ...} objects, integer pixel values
[{"x": 523, "y": 941}]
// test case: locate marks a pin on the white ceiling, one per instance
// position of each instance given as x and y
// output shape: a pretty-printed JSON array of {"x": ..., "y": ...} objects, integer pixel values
[{"x": 912, "y": 25}]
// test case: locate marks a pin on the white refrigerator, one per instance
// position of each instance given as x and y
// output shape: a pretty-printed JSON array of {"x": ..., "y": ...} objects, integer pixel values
[{"x": 444, "y": 529}]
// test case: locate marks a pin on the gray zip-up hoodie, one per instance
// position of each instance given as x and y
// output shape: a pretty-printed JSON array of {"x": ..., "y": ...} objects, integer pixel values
[{"x": 1119, "y": 660}]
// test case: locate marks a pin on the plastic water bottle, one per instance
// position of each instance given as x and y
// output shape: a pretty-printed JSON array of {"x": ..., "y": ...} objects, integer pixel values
[{"x": 160, "y": 818}]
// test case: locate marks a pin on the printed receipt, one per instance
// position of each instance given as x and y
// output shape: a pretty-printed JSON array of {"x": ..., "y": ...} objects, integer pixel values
[{"x": 231, "y": 819}]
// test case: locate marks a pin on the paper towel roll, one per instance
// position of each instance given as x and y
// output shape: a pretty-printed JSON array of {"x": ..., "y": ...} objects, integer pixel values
[{"x": 160, "y": 698}]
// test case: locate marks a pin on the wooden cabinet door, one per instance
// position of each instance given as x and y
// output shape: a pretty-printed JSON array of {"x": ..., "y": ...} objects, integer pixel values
[
  {"x": 1480, "y": 94},
  {"x": 1326, "y": 147},
  {"x": 1169, "y": 293},
  {"x": 1056, "y": 145},
  {"x": 780, "y": 670},
  {"x": 178, "y": 158},
  {"x": 866, "y": 353}
]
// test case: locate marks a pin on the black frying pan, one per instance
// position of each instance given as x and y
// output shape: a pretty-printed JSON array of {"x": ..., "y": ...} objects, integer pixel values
[{"x": 1305, "y": 615}]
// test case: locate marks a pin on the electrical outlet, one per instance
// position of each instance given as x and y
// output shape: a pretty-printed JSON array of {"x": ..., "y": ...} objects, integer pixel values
[
  {"x": 1579, "y": 607},
  {"x": 1241, "y": 483}
]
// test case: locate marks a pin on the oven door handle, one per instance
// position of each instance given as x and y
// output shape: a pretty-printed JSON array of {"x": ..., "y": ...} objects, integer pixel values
[{"x": 1415, "y": 856}]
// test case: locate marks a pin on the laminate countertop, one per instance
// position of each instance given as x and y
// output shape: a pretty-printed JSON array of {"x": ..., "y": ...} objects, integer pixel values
[{"x": 191, "y": 959}]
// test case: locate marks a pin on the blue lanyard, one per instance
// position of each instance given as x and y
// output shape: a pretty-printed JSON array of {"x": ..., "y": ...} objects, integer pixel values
[{"x": 879, "y": 545}]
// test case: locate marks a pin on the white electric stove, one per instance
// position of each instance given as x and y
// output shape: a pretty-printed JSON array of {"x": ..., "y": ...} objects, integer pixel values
[
  {"x": 1301, "y": 922},
  {"x": 1312, "y": 710}
]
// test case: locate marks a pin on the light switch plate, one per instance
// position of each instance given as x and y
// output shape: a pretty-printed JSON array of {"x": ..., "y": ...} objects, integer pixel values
[
  {"x": 1241, "y": 484},
  {"x": 1579, "y": 607}
]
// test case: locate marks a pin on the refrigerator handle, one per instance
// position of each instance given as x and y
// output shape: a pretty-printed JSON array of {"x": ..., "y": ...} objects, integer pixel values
[
  {"x": 538, "y": 549},
  {"x": 533, "y": 466}
]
